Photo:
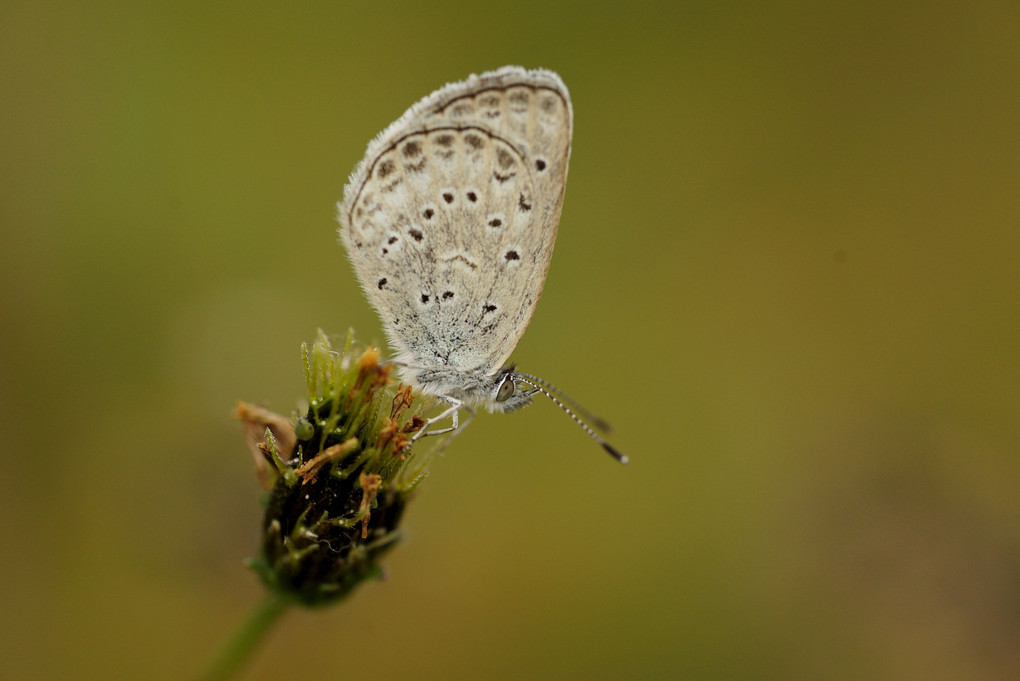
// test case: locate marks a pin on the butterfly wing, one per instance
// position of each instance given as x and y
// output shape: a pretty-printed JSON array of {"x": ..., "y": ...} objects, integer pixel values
[{"x": 450, "y": 219}]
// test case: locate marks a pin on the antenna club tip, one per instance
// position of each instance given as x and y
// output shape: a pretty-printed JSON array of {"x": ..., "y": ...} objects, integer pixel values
[{"x": 615, "y": 453}]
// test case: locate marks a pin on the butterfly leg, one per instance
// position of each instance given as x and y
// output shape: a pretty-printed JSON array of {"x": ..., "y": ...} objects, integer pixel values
[{"x": 453, "y": 413}]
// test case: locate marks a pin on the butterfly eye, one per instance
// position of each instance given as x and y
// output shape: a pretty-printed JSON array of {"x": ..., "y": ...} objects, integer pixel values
[{"x": 506, "y": 389}]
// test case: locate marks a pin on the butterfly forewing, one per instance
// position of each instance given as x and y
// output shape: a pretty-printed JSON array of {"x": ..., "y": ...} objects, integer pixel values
[{"x": 451, "y": 218}]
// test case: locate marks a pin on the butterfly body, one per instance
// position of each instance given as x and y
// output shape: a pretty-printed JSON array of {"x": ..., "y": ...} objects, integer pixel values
[{"x": 450, "y": 223}]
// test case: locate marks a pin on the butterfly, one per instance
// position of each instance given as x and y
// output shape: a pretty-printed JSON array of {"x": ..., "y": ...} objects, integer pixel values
[{"x": 450, "y": 221}]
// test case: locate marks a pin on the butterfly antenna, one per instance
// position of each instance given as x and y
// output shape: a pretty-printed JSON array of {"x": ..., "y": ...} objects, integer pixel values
[
  {"x": 539, "y": 385},
  {"x": 599, "y": 423}
]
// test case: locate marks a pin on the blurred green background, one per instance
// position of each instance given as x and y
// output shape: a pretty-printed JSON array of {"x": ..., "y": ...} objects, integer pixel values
[{"x": 786, "y": 271}]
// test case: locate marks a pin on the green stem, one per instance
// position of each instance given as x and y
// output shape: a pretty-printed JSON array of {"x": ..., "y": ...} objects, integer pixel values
[{"x": 246, "y": 638}]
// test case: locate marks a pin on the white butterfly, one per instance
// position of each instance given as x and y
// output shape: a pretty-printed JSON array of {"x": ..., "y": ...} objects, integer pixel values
[{"x": 450, "y": 222}]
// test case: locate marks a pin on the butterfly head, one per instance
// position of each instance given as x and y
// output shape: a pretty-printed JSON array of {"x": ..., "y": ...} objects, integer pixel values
[{"x": 507, "y": 393}]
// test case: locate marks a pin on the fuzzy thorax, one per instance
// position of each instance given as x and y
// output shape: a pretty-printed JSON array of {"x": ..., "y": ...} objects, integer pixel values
[{"x": 498, "y": 393}]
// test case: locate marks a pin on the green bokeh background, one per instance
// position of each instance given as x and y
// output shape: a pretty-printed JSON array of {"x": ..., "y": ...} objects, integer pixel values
[{"x": 786, "y": 271}]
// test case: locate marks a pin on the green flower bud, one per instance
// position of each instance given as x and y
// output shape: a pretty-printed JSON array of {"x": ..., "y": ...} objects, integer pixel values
[{"x": 339, "y": 478}]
